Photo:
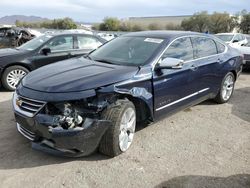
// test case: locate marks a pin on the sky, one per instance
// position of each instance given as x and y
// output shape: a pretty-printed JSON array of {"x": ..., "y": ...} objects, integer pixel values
[{"x": 96, "y": 10}]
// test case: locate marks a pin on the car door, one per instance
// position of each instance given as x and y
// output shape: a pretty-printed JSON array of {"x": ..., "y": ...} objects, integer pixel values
[
  {"x": 85, "y": 44},
  {"x": 60, "y": 46},
  {"x": 176, "y": 88},
  {"x": 208, "y": 62}
]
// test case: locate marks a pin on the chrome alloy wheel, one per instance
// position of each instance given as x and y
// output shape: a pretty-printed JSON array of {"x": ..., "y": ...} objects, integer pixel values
[
  {"x": 227, "y": 88},
  {"x": 127, "y": 129},
  {"x": 14, "y": 77}
]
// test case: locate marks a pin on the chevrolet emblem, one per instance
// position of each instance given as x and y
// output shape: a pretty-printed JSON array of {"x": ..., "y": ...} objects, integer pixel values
[{"x": 19, "y": 102}]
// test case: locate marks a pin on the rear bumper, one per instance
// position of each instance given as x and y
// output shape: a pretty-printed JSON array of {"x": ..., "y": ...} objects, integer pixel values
[{"x": 80, "y": 141}]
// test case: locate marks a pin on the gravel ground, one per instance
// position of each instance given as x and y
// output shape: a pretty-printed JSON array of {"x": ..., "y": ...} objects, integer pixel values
[{"x": 204, "y": 146}]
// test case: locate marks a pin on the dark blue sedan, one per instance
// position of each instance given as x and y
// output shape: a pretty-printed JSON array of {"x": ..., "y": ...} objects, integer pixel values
[{"x": 79, "y": 105}]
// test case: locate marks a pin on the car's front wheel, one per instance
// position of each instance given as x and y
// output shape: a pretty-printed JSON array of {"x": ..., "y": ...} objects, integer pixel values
[
  {"x": 227, "y": 88},
  {"x": 12, "y": 76},
  {"x": 119, "y": 136}
]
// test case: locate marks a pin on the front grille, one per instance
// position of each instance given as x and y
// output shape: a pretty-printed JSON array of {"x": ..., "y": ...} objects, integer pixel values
[
  {"x": 25, "y": 132},
  {"x": 26, "y": 106},
  {"x": 30, "y": 105}
]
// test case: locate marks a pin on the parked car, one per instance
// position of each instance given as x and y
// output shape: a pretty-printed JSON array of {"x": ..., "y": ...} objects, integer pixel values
[
  {"x": 43, "y": 50},
  {"x": 107, "y": 36},
  {"x": 245, "y": 50},
  {"x": 12, "y": 36},
  {"x": 76, "y": 106},
  {"x": 233, "y": 39}
]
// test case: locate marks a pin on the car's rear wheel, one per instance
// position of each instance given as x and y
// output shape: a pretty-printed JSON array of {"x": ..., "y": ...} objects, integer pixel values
[
  {"x": 12, "y": 75},
  {"x": 119, "y": 136},
  {"x": 227, "y": 88}
]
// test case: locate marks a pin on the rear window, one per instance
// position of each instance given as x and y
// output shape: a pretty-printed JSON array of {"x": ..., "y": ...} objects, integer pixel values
[
  {"x": 220, "y": 47},
  {"x": 225, "y": 38},
  {"x": 203, "y": 47}
]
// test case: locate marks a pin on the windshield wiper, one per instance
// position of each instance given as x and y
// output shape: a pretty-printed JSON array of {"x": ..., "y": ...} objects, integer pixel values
[
  {"x": 104, "y": 61},
  {"x": 87, "y": 56}
]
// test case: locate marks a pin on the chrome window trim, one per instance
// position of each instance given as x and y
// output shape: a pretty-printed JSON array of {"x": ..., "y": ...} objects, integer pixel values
[
  {"x": 182, "y": 99},
  {"x": 189, "y": 36}
]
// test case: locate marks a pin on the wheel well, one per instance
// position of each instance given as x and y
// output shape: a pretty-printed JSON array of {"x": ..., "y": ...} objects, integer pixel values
[
  {"x": 235, "y": 74},
  {"x": 142, "y": 110},
  {"x": 17, "y": 64}
]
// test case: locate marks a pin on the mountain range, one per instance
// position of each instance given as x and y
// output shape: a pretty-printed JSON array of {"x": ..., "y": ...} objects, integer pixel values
[{"x": 12, "y": 19}]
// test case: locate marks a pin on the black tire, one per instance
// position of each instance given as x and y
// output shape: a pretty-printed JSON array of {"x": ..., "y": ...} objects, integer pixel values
[
  {"x": 7, "y": 71},
  {"x": 109, "y": 144},
  {"x": 219, "y": 98}
]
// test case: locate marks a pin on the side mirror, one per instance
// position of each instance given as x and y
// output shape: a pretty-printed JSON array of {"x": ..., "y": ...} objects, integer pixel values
[
  {"x": 234, "y": 41},
  {"x": 170, "y": 63},
  {"x": 46, "y": 51}
]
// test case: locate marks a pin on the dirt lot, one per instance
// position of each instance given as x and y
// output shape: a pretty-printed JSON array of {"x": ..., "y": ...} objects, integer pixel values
[{"x": 205, "y": 146}]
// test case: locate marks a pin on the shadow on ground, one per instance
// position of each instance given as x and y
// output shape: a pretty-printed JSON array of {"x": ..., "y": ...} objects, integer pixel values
[
  {"x": 241, "y": 103},
  {"x": 235, "y": 181}
]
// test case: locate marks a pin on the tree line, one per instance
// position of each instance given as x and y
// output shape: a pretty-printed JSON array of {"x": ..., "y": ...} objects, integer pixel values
[
  {"x": 64, "y": 23},
  {"x": 200, "y": 22}
]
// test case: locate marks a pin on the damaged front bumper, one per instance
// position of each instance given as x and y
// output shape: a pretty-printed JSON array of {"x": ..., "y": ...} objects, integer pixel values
[{"x": 81, "y": 140}]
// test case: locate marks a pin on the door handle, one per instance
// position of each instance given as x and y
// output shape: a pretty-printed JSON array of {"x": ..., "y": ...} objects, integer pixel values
[{"x": 194, "y": 67}]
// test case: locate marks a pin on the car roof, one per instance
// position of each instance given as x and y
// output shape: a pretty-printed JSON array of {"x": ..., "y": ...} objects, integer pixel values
[
  {"x": 67, "y": 33},
  {"x": 227, "y": 33},
  {"x": 74, "y": 34},
  {"x": 163, "y": 34}
]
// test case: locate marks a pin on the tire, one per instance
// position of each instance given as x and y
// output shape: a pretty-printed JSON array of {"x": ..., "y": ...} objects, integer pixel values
[
  {"x": 111, "y": 142},
  {"x": 225, "y": 85},
  {"x": 9, "y": 73}
]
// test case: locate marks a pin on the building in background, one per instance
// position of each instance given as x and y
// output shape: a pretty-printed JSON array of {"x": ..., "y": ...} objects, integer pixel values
[{"x": 160, "y": 20}]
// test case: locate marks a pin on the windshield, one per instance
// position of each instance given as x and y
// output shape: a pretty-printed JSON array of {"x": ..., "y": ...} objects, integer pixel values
[
  {"x": 225, "y": 38},
  {"x": 132, "y": 51},
  {"x": 35, "y": 43}
]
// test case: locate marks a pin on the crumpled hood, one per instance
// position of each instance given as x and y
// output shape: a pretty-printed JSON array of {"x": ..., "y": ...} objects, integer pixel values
[{"x": 76, "y": 74}]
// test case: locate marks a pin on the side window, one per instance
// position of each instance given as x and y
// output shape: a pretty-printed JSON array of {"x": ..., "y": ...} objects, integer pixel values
[
  {"x": 87, "y": 43},
  {"x": 242, "y": 37},
  {"x": 204, "y": 47},
  {"x": 60, "y": 43},
  {"x": 237, "y": 37},
  {"x": 180, "y": 49},
  {"x": 220, "y": 47}
]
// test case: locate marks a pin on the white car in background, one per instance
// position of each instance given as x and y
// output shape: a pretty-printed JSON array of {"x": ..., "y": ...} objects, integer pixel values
[
  {"x": 233, "y": 39},
  {"x": 107, "y": 36},
  {"x": 245, "y": 50}
]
